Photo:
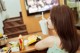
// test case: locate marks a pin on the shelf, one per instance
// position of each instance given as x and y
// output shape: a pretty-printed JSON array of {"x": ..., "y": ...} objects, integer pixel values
[
  {"x": 11, "y": 20},
  {"x": 17, "y": 32},
  {"x": 14, "y": 26}
]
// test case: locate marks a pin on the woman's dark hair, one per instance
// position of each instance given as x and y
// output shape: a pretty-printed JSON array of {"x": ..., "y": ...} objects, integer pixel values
[{"x": 62, "y": 19}]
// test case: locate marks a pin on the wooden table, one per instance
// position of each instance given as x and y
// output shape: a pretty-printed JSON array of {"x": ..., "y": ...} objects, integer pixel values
[{"x": 29, "y": 48}]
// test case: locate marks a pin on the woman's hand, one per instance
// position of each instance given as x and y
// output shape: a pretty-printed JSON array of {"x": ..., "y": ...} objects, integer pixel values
[{"x": 50, "y": 26}]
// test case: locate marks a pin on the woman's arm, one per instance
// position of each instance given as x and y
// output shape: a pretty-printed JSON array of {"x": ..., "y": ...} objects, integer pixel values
[{"x": 45, "y": 43}]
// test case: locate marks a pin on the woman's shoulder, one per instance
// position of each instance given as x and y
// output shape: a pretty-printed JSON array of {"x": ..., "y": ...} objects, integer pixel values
[{"x": 52, "y": 40}]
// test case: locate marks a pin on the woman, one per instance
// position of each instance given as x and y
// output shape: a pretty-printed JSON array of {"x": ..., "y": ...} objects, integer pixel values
[{"x": 66, "y": 39}]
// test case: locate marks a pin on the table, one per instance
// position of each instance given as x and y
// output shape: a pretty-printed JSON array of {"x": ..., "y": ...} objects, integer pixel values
[{"x": 29, "y": 48}]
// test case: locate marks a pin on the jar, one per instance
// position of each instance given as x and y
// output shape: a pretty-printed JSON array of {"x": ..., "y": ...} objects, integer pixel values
[{"x": 3, "y": 41}]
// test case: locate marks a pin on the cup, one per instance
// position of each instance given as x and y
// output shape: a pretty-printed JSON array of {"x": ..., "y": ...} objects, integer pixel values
[{"x": 44, "y": 27}]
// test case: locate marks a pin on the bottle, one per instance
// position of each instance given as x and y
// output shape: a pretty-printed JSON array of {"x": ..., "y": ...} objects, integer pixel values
[
  {"x": 21, "y": 42},
  {"x": 43, "y": 25}
]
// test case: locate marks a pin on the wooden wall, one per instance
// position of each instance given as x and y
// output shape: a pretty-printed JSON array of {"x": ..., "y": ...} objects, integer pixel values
[{"x": 31, "y": 22}]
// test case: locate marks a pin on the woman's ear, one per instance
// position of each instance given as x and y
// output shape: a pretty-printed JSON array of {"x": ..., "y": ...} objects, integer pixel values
[{"x": 50, "y": 26}]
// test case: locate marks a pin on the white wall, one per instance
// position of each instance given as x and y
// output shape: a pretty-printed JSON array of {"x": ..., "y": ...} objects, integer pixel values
[
  {"x": 1, "y": 23},
  {"x": 12, "y": 10},
  {"x": 13, "y": 7}
]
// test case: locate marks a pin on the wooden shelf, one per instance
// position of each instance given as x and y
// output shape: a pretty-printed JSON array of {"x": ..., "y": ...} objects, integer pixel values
[
  {"x": 17, "y": 32},
  {"x": 10, "y": 20},
  {"x": 14, "y": 26}
]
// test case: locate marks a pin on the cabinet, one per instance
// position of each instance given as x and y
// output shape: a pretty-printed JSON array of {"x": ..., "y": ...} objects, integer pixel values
[{"x": 14, "y": 26}]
